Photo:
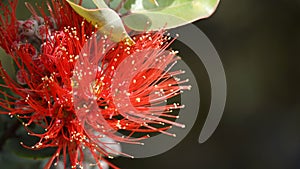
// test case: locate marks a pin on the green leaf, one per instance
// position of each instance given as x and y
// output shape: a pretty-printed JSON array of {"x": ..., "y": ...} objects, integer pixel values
[
  {"x": 128, "y": 4},
  {"x": 106, "y": 19},
  {"x": 89, "y": 4},
  {"x": 119, "y": 6},
  {"x": 167, "y": 13},
  {"x": 100, "y": 4},
  {"x": 154, "y": 2}
]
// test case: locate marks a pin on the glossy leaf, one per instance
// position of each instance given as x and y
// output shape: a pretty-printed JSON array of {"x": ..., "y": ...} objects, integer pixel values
[
  {"x": 149, "y": 15},
  {"x": 106, "y": 19}
]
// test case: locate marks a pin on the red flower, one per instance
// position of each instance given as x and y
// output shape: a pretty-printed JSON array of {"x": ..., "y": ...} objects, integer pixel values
[{"x": 80, "y": 89}]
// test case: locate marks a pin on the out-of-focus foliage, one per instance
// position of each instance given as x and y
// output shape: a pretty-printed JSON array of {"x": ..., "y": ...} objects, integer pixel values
[
  {"x": 258, "y": 42},
  {"x": 9, "y": 160},
  {"x": 106, "y": 19},
  {"x": 146, "y": 14}
]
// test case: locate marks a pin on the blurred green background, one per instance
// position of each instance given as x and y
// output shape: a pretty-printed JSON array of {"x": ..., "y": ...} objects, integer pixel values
[{"x": 258, "y": 43}]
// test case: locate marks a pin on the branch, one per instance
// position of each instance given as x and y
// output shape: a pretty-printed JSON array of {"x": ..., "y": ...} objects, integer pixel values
[
  {"x": 107, "y": 2},
  {"x": 121, "y": 4}
]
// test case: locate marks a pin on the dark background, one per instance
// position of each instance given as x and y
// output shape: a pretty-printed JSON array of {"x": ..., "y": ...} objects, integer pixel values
[{"x": 258, "y": 43}]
